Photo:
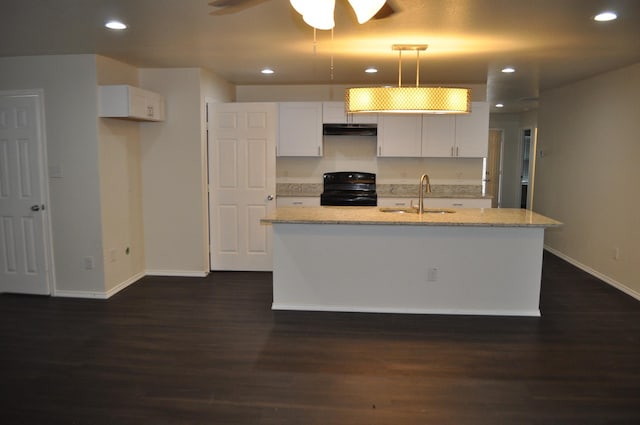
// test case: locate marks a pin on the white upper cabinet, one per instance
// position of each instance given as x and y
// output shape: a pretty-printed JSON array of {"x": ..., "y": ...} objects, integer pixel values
[
  {"x": 123, "y": 101},
  {"x": 334, "y": 113},
  {"x": 465, "y": 135},
  {"x": 300, "y": 129},
  {"x": 472, "y": 132},
  {"x": 438, "y": 135},
  {"x": 400, "y": 135}
]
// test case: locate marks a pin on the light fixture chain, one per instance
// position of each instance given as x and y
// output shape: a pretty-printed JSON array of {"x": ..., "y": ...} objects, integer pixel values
[
  {"x": 417, "y": 68},
  {"x": 399, "y": 68}
]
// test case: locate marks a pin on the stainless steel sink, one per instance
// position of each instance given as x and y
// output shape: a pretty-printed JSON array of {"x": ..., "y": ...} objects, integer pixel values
[{"x": 397, "y": 210}]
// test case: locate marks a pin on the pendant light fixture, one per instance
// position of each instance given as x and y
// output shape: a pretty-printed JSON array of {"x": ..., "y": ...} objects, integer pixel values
[{"x": 420, "y": 100}]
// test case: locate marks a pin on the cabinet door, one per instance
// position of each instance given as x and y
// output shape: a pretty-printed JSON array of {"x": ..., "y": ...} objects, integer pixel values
[
  {"x": 334, "y": 113},
  {"x": 300, "y": 129},
  {"x": 438, "y": 135},
  {"x": 362, "y": 118},
  {"x": 137, "y": 103},
  {"x": 154, "y": 107},
  {"x": 472, "y": 132},
  {"x": 399, "y": 135},
  {"x": 396, "y": 202},
  {"x": 298, "y": 201},
  {"x": 457, "y": 203}
]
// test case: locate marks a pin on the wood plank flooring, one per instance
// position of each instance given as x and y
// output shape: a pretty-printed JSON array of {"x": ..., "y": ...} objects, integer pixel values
[{"x": 210, "y": 351}]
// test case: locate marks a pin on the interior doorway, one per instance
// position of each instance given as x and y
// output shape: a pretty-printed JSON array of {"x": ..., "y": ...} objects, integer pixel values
[
  {"x": 527, "y": 167},
  {"x": 492, "y": 181}
]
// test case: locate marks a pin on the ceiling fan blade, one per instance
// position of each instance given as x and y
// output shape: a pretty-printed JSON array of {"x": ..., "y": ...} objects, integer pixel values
[
  {"x": 385, "y": 11},
  {"x": 225, "y": 7}
]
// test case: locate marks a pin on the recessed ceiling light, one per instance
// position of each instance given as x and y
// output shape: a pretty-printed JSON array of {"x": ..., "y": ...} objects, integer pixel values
[
  {"x": 499, "y": 105},
  {"x": 605, "y": 16},
  {"x": 371, "y": 70},
  {"x": 508, "y": 70},
  {"x": 115, "y": 25},
  {"x": 267, "y": 71}
]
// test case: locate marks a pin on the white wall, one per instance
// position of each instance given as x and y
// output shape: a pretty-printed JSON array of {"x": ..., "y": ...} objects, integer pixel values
[
  {"x": 174, "y": 173},
  {"x": 120, "y": 185},
  {"x": 70, "y": 92},
  {"x": 588, "y": 177}
]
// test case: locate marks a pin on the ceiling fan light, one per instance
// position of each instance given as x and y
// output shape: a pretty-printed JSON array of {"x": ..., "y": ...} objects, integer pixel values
[
  {"x": 299, "y": 5},
  {"x": 366, "y": 9},
  {"x": 319, "y": 14}
]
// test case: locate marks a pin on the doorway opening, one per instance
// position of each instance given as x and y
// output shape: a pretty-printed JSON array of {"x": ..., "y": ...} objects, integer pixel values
[
  {"x": 527, "y": 167},
  {"x": 492, "y": 168}
]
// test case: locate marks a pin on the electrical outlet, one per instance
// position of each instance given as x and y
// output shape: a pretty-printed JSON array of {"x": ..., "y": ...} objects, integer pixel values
[
  {"x": 89, "y": 263},
  {"x": 432, "y": 274},
  {"x": 616, "y": 253},
  {"x": 112, "y": 255}
]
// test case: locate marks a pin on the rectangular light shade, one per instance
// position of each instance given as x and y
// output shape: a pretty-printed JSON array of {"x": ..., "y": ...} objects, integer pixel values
[{"x": 421, "y": 100}]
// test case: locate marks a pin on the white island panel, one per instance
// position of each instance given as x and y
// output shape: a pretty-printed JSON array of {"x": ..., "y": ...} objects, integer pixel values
[{"x": 385, "y": 268}]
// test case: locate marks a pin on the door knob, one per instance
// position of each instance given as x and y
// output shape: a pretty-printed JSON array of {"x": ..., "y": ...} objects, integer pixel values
[
  {"x": 36, "y": 207},
  {"x": 270, "y": 198}
]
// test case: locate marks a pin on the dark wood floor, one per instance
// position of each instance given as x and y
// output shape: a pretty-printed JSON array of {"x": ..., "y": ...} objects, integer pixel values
[{"x": 210, "y": 351}]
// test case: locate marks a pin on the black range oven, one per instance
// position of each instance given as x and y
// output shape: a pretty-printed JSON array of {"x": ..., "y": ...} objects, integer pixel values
[{"x": 349, "y": 188}]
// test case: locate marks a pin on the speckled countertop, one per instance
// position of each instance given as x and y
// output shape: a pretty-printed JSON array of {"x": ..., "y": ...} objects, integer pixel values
[
  {"x": 478, "y": 217},
  {"x": 388, "y": 190}
]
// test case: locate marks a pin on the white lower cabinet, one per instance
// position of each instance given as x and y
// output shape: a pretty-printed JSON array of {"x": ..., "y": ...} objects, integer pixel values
[
  {"x": 437, "y": 202},
  {"x": 396, "y": 202},
  {"x": 298, "y": 201},
  {"x": 457, "y": 203}
]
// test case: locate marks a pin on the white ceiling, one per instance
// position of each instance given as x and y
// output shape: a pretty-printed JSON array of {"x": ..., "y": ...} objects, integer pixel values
[{"x": 549, "y": 42}]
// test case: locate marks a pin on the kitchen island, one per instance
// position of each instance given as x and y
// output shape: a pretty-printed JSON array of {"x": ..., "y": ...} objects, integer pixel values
[{"x": 360, "y": 259}]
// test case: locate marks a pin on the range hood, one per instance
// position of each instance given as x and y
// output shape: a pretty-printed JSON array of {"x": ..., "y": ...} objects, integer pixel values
[{"x": 350, "y": 129}]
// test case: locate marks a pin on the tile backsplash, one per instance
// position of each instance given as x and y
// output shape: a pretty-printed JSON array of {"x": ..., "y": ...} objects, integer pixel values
[{"x": 358, "y": 153}]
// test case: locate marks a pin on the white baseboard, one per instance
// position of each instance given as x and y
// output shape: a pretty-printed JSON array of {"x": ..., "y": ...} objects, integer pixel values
[
  {"x": 392, "y": 310},
  {"x": 619, "y": 286},
  {"x": 80, "y": 294},
  {"x": 99, "y": 295},
  {"x": 180, "y": 273},
  {"x": 124, "y": 284}
]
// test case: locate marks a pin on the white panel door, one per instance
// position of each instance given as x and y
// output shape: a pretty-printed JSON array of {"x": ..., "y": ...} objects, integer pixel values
[
  {"x": 242, "y": 183},
  {"x": 23, "y": 254}
]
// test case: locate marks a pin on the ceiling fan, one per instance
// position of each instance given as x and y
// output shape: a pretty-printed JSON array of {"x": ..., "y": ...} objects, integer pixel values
[{"x": 226, "y": 7}]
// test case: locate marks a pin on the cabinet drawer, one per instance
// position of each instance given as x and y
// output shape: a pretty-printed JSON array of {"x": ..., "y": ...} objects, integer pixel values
[{"x": 298, "y": 201}]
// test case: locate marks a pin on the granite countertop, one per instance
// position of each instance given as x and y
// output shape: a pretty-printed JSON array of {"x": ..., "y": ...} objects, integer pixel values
[{"x": 478, "y": 217}]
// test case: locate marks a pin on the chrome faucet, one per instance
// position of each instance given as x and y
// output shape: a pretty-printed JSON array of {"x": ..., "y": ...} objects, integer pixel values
[{"x": 423, "y": 189}]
